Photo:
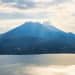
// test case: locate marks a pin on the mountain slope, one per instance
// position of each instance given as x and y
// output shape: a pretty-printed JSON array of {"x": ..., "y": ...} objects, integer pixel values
[{"x": 35, "y": 38}]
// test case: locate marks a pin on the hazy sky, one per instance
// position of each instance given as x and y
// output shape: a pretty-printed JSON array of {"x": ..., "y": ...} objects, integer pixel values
[{"x": 59, "y": 13}]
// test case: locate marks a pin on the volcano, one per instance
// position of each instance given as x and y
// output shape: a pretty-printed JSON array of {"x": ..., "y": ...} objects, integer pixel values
[{"x": 36, "y": 38}]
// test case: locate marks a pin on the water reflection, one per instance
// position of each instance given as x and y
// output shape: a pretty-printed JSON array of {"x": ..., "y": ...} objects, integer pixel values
[{"x": 50, "y": 64}]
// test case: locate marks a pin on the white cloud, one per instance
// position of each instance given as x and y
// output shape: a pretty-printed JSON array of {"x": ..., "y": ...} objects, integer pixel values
[{"x": 58, "y": 12}]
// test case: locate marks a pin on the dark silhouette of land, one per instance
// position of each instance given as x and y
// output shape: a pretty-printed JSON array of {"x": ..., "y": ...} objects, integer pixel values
[{"x": 36, "y": 38}]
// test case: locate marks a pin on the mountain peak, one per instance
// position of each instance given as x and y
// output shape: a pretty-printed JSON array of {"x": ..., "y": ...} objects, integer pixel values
[
  {"x": 45, "y": 24},
  {"x": 30, "y": 22},
  {"x": 35, "y": 37},
  {"x": 34, "y": 29}
]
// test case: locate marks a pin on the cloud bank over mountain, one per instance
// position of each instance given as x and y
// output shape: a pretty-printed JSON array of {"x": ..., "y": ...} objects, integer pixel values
[{"x": 59, "y": 12}]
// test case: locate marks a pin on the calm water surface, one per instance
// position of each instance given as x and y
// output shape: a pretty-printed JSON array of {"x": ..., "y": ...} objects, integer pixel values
[{"x": 34, "y": 64}]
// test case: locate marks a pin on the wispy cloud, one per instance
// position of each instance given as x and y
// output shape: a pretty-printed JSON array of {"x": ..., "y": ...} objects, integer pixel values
[
  {"x": 32, "y": 3},
  {"x": 58, "y": 12}
]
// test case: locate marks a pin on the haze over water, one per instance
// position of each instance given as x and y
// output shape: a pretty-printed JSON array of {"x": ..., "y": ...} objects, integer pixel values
[{"x": 45, "y": 64}]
